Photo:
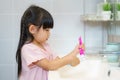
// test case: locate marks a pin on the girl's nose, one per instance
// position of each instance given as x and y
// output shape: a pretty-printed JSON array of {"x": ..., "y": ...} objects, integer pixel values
[{"x": 48, "y": 33}]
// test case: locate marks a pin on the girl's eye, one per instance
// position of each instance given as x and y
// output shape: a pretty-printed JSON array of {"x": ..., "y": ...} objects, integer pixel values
[{"x": 47, "y": 29}]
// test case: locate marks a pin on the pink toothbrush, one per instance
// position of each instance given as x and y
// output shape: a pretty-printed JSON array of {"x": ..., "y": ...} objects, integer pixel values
[{"x": 81, "y": 50}]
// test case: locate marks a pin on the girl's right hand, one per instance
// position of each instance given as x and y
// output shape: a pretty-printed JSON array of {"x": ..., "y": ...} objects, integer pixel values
[{"x": 82, "y": 46}]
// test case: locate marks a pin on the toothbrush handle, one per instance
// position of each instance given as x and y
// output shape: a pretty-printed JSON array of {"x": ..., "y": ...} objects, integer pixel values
[{"x": 81, "y": 50}]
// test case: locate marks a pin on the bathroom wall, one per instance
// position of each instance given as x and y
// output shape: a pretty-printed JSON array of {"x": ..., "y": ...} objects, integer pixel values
[{"x": 68, "y": 28}]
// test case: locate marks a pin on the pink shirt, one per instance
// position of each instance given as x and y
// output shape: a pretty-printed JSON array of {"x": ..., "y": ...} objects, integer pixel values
[{"x": 31, "y": 53}]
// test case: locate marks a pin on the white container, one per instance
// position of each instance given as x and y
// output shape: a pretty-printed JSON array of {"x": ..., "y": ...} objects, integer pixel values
[
  {"x": 106, "y": 15},
  {"x": 118, "y": 15}
]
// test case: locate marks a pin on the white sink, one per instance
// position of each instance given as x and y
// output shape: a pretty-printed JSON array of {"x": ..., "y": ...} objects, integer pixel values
[{"x": 89, "y": 69}]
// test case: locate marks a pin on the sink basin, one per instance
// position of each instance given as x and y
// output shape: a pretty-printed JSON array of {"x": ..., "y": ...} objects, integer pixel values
[
  {"x": 90, "y": 69},
  {"x": 87, "y": 70}
]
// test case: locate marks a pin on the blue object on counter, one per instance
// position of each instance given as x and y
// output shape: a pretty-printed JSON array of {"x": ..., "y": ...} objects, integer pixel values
[{"x": 112, "y": 58}]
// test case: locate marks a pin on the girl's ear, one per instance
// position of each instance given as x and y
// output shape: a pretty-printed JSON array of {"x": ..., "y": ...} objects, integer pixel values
[{"x": 32, "y": 29}]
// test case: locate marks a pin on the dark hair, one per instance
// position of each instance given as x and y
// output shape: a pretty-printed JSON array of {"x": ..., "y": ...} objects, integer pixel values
[{"x": 36, "y": 16}]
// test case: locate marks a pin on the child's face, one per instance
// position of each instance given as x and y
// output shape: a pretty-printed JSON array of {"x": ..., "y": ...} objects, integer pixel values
[{"x": 41, "y": 35}]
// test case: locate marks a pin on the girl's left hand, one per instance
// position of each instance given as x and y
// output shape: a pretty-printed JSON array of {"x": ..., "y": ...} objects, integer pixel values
[{"x": 75, "y": 61}]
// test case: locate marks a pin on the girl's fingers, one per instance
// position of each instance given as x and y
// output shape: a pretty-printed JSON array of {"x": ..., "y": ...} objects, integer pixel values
[{"x": 82, "y": 46}]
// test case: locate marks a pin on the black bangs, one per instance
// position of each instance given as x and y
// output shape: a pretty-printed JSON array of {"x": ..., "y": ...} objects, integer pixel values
[{"x": 47, "y": 22}]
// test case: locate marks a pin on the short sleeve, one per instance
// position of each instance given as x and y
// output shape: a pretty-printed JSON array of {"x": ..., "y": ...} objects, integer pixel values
[{"x": 31, "y": 55}]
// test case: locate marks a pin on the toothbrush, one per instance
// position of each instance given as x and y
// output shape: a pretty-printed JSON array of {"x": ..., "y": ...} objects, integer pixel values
[{"x": 81, "y": 50}]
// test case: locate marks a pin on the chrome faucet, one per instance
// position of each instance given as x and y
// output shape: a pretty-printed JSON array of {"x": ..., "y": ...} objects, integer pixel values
[
  {"x": 109, "y": 72},
  {"x": 119, "y": 64}
]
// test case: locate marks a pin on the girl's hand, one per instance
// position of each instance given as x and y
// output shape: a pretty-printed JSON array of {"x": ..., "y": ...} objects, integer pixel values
[
  {"x": 82, "y": 46},
  {"x": 76, "y": 50},
  {"x": 75, "y": 61}
]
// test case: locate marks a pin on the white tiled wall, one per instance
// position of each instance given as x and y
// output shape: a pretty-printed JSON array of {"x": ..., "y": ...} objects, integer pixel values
[{"x": 67, "y": 28}]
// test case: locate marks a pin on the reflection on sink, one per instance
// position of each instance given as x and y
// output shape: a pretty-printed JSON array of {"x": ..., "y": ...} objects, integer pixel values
[{"x": 90, "y": 69}]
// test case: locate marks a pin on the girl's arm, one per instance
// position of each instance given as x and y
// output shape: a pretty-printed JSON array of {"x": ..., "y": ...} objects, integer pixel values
[
  {"x": 56, "y": 63},
  {"x": 59, "y": 62}
]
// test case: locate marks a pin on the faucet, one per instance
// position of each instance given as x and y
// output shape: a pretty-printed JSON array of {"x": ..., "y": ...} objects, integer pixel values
[
  {"x": 119, "y": 64},
  {"x": 109, "y": 72}
]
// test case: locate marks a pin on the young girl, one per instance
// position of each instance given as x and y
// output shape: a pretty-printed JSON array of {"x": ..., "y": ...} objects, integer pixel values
[{"x": 34, "y": 56}]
